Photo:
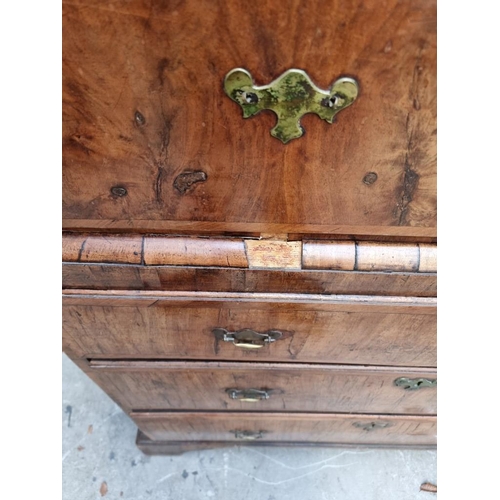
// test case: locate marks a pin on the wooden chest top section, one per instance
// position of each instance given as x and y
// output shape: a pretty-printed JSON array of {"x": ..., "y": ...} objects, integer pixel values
[{"x": 151, "y": 142}]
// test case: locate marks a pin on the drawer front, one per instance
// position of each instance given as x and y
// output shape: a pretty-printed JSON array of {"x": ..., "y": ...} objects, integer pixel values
[
  {"x": 159, "y": 143},
  {"x": 265, "y": 387},
  {"x": 345, "y": 333},
  {"x": 310, "y": 428}
]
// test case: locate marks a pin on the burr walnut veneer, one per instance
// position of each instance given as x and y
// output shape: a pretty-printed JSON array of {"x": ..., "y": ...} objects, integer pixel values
[{"x": 221, "y": 286}]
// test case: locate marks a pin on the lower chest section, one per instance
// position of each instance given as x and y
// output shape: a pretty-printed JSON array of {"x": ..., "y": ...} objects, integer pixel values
[{"x": 208, "y": 369}]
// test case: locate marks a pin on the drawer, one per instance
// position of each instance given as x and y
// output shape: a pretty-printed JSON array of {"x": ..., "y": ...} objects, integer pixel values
[
  {"x": 329, "y": 329},
  {"x": 150, "y": 138},
  {"x": 242, "y": 428},
  {"x": 157, "y": 385}
]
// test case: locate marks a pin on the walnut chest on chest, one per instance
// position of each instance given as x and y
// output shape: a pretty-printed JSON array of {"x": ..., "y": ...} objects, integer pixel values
[{"x": 249, "y": 232}]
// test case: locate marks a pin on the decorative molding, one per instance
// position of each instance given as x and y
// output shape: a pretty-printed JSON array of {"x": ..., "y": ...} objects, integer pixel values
[{"x": 250, "y": 253}]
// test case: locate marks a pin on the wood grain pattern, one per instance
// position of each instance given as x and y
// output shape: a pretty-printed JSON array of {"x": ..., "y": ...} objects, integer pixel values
[
  {"x": 351, "y": 332},
  {"x": 143, "y": 106},
  {"x": 428, "y": 258},
  {"x": 72, "y": 246},
  {"x": 387, "y": 257},
  {"x": 274, "y": 254},
  {"x": 369, "y": 256},
  {"x": 279, "y": 427},
  {"x": 180, "y": 278},
  {"x": 305, "y": 237},
  {"x": 108, "y": 248},
  {"x": 183, "y": 385},
  {"x": 227, "y": 252},
  {"x": 207, "y": 221},
  {"x": 253, "y": 229},
  {"x": 339, "y": 255},
  {"x": 317, "y": 302}
]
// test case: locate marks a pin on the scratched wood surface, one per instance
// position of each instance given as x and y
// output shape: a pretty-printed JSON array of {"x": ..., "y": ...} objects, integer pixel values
[
  {"x": 150, "y": 140},
  {"x": 310, "y": 428},
  {"x": 184, "y": 385},
  {"x": 367, "y": 333},
  {"x": 212, "y": 279}
]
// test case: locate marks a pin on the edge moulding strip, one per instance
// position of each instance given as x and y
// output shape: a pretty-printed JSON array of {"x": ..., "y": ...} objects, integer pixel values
[{"x": 249, "y": 253}]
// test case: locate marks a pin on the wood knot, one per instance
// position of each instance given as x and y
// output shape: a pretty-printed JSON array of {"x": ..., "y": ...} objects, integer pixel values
[
  {"x": 139, "y": 118},
  {"x": 370, "y": 178},
  {"x": 184, "y": 181},
  {"x": 118, "y": 191}
]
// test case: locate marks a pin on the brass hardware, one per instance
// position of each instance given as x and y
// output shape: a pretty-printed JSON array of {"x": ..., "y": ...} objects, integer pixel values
[
  {"x": 371, "y": 426},
  {"x": 413, "y": 384},
  {"x": 245, "y": 345},
  {"x": 290, "y": 97},
  {"x": 248, "y": 435},
  {"x": 248, "y": 395},
  {"x": 246, "y": 338}
]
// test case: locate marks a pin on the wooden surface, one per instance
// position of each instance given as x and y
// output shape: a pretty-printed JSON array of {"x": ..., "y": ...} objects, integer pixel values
[
  {"x": 179, "y": 385},
  {"x": 195, "y": 252},
  {"x": 428, "y": 258},
  {"x": 278, "y": 427},
  {"x": 150, "y": 447},
  {"x": 207, "y": 221},
  {"x": 114, "y": 248},
  {"x": 211, "y": 279},
  {"x": 316, "y": 301},
  {"x": 151, "y": 142},
  {"x": 382, "y": 257},
  {"x": 339, "y": 255},
  {"x": 253, "y": 229},
  {"x": 274, "y": 254},
  {"x": 265, "y": 252},
  {"x": 162, "y": 327},
  {"x": 369, "y": 256}
]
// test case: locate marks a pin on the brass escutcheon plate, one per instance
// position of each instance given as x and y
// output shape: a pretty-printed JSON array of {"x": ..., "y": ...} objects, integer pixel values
[{"x": 290, "y": 97}]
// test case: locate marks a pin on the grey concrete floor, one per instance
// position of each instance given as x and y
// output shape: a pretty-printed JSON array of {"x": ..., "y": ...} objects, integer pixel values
[{"x": 100, "y": 460}]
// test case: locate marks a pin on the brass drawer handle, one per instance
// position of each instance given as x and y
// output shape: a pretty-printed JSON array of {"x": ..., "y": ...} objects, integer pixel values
[
  {"x": 246, "y": 338},
  {"x": 371, "y": 426},
  {"x": 248, "y": 395},
  {"x": 248, "y": 435},
  {"x": 412, "y": 384}
]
